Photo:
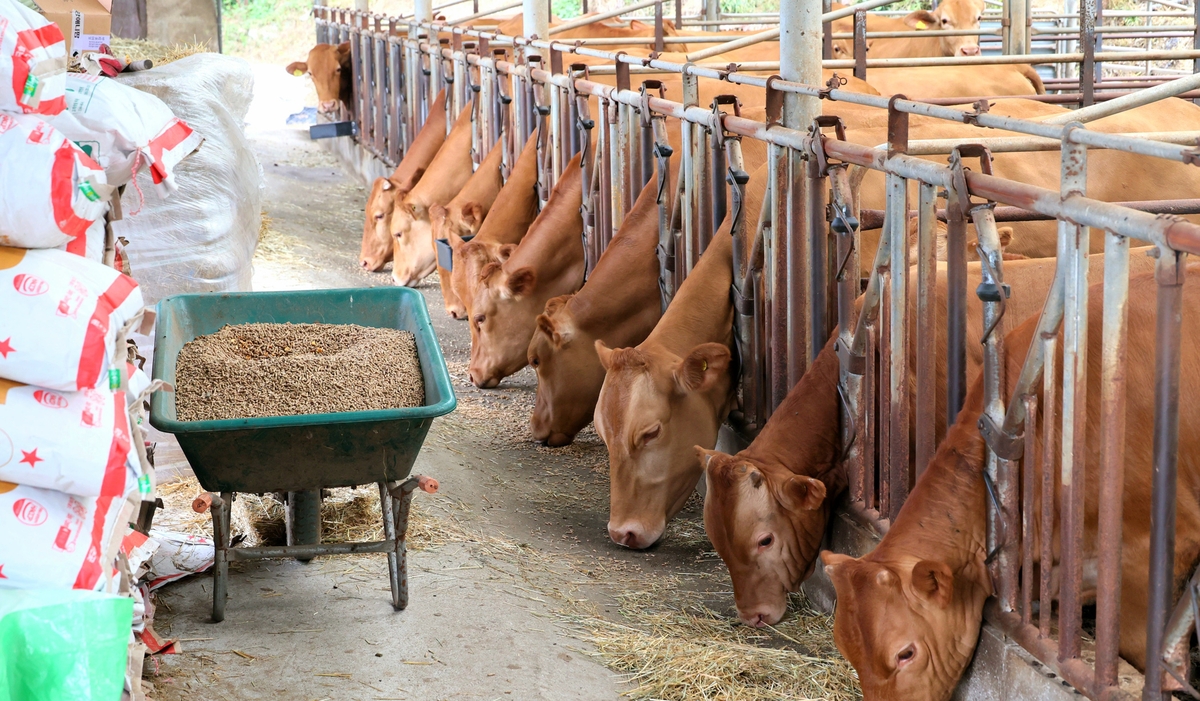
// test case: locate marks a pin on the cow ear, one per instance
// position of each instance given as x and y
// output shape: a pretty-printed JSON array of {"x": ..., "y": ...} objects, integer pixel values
[
  {"x": 548, "y": 327},
  {"x": 343, "y": 48},
  {"x": 506, "y": 251},
  {"x": 472, "y": 214},
  {"x": 604, "y": 353},
  {"x": 521, "y": 281},
  {"x": 701, "y": 369},
  {"x": 705, "y": 456},
  {"x": 385, "y": 184},
  {"x": 921, "y": 19},
  {"x": 934, "y": 581},
  {"x": 297, "y": 68},
  {"x": 1006, "y": 236},
  {"x": 802, "y": 493},
  {"x": 833, "y": 560}
]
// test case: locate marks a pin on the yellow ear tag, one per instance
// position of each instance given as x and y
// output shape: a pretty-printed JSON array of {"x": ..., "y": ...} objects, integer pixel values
[
  {"x": 922, "y": 25},
  {"x": 297, "y": 72},
  {"x": 705, "y": 368}
]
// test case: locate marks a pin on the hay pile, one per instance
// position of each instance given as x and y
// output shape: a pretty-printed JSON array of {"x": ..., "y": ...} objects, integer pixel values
[
  {"x": 687, "y": 651},
  {"x": 160, "y": 54}
]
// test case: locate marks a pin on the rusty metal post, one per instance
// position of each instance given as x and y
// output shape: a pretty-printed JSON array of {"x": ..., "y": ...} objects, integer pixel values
[
  {"x": 897, "y": 341},
  {"x": 1169, "y": 273},
  {"x": 860, "y": 45},
  {"x": 1087, "y": 44},
  {"x": 818, "y": 253},
  {"x": 397, "y": 106},
  {"x": 1029, "y": 484},
  {"x": 623, "y": 162},
  {"x": 926, "y": 401},
  {"x": 780, "y": 159},
  {"x": 1112, "y": 457},
  {"x": 378, "y": 49},
  {"x": 604, "y": 151},
  {"x": 956, "y": 311},
  {"x": 1074, "y": 407},
  {"x": 558, "y": 134},
  {"x": 689, "y": 170},
  {"x": 1049, "y": 420}
]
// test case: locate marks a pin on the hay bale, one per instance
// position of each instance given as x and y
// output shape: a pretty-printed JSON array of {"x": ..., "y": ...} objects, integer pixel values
[{"x": 160, "y": 54}]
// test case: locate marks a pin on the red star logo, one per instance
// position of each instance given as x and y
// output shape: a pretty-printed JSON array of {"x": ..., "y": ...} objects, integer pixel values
[
  {"x": 6, "y": 347},
  {"x": 2, "y": 575},
  {"x": 31, "y": 457}
]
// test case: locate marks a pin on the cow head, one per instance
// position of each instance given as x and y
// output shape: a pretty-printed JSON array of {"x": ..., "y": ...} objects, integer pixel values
[
  {"x": 843, "y": 49},
  {"x": 329, "y": 68},
  {"x": 951, "y": 14},
  {"x": 908, "y": 626},
  {"x": 377, "y": 235},
  {"x": 453, "y": 224},
  {"x": 502, "y": 322},
  {"x": 766, "y": 523},
  {"x": 569, "y": 375},
  {"x": 654, "y": 408},
  {"x": 470, "y": 258},
  {"x": 414, "y": 256}
]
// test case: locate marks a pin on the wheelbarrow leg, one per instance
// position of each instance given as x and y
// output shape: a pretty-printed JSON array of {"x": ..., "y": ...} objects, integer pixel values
[
  {"x": 304, "y": 519},
  {"x": 402, "y": 494},
  {"x": 221, "y": 509},
  {"x": 389, "y": 534}
]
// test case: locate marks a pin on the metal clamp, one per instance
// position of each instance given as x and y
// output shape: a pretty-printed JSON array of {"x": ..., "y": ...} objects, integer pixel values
[
  {"x": 981, "y": 107},
  {"x": 835, "y": 82},
  {"x": 1004, "y": 445},
  {"x": 959, "y": 196},
  {"x": 774, "y": 102},
  {"x": 817, "y": 139},
  {"x": 717, "y": 127}
]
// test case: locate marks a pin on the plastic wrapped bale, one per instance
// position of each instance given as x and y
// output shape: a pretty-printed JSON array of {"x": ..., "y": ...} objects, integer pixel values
[{"x": 201, "y": 238}]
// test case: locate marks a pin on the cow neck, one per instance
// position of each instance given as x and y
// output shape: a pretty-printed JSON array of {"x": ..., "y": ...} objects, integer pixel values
[
  {"x": 516, "y": 205},
  {"x": 426, "y": 145},
  {"x": 484, "y": 185},
  {"x": 804, "y": 432},
  {"x": 943, "y": 518},
  {"x": 446, "y": 170},
  {"x": 701, "y": 311},
  {"x": 555, "y": 239},
  {"x": 623, "y": 287}
]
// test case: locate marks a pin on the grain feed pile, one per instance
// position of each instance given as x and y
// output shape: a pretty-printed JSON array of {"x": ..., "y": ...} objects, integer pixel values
[{"x": 256, "y": 370}]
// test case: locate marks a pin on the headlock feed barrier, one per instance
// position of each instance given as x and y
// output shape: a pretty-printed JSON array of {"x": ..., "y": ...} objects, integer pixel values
[{"x": 796, "y": 272}]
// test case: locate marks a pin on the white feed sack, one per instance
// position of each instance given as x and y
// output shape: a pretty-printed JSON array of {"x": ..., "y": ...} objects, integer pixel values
[
  {"x": 53, "y": 191},
  {"x": 33, "y": 61},
  {"x": 202, "y": 237}
]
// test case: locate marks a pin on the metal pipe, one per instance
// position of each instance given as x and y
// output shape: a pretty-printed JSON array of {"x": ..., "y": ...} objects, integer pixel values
[
  {"x": 485, "y": 13},
  {"x": 897, "y": 343},
  {"x": 1136, "y": 99},
  {"x": 1021, "y": 144},
  {"x": 536, "y": 18},
  {"x": 926, "y": 401},
  {"x": 422, "y": 10},
  {"x": 785, "y": 10},
  {"x": 598, "y": 17},
  {"x": 1169, "y": 274}
]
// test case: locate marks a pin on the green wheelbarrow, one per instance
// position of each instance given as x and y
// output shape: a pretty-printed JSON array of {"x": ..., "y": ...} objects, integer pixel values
[{"x": 300, "y": 455}]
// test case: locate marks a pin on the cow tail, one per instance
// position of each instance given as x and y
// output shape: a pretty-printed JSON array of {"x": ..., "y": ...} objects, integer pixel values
[{"x": 1031, "y": 74}]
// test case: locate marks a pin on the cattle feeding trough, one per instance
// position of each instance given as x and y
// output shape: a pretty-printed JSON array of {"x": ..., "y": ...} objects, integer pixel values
[
  {"x": 793, "y": 265},
  {"x": 299, "y": 455}
]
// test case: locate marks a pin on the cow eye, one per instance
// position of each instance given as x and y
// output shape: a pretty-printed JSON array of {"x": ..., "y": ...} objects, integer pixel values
[
  {"x": 766, "y": 541},
  {"x": 651, "y": 433},
  {"x": 378, "y": 217},
  {"x": 479, "y": 319},
  {"x": 534, "y": 362},
  {"x": 905, "y": 656}
]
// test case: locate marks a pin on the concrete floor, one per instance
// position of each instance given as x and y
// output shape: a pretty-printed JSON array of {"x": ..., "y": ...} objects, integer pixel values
[{"x": 485, "y": 619}]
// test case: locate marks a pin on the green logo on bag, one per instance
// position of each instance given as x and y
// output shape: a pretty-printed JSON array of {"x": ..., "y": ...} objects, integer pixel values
[
  {"x": 114, "y": 378},
  {"x": 144, "y": 484},
  {"x": 31, "y": 86},
  {"x": 88, "y": 191}
]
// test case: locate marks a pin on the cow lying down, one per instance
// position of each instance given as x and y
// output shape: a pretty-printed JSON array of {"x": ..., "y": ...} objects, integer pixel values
[{"x": 909, "y": 612}]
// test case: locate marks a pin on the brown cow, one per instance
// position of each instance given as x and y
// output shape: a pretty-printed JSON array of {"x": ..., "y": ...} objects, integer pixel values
[
  {"x": 329, "y": 68},
  {"x": 463, "y": 216},
  {"x": 951, "y": 14},
  {"x": 377, "y": 234},
  {"x": 412, "y": 233},
  {"x": 738, "y": 516},
  {"x": 506, "y": 224},
  {"x": 547, "y": 263},
  {"x": 957, "y": 81},
  {"x": 909, "y": 612},
  {"x": 670, "y": 393},
  {"x": 619, "y": 305}
]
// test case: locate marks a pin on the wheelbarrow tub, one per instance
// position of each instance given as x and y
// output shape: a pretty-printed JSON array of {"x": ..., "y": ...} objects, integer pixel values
[{"x": 306, "y": 451}]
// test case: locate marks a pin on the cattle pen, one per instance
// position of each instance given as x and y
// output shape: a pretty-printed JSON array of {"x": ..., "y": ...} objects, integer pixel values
[{"x": 794, "y": 280}]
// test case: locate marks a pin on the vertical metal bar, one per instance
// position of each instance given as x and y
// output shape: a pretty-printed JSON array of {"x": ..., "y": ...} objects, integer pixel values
[
  {"x": 1049, "y": 422},
  {"x": 897, "y": 219},
  {"x": 860, "y": 45},
  {"x": 616, "y": 188},
  {"x": 1027, "y": 509},
  {"x": 716, "y": 183},
  {"x": 1112, "y": 456},
  {"x": 956, "y": 312},
  {"x": 884, "y": 396},
  {"x": 389, "y": 534},
  {"x": 604, "y": 153},
  {"x": 826, "y": 33},
  {"x": 381, "y": 107},
  {"x": 1074, "y": 408},
  {"x": 926, "y": 400},
  {"x": 869, "y": 418},
  {"x": 397, "y": 141},
  {"x": 1087, "y": 69},
  {"x": 1169, "y": 275},
  {"x": 702, "y": 204},
  {"x": 799, "y": 267},
  {"x": 818, "y": 247},
  {"x": 659, "y": 46},
  {"x": 780, "y": 160}
]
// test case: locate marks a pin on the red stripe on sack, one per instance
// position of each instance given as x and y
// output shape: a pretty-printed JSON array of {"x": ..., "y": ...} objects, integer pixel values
[
  {"x": 91, "y": 358},
  {"x": 62, "y": 189},
  {"x": 111, "y": 487},
  {"x": 52, "y": 107},
  {"x": 78, "y": 245},
  {"x": 42, "y": 37},
  {"x": 170, "y": 137},
  {"x": 20, "y": 73}
]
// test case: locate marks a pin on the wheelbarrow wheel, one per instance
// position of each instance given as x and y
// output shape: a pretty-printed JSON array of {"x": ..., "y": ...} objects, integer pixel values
[{"x": 304, "y": 519}]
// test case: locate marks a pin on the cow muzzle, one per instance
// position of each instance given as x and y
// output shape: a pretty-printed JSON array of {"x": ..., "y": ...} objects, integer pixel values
[
  {"x": 969, "y": 50},
  {"x": 329, "y": 106},
  {"x": 633, "y": 535}
]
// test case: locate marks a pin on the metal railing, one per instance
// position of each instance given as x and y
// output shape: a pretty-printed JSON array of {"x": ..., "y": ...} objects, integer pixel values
[{"x": 796, "y": 278}]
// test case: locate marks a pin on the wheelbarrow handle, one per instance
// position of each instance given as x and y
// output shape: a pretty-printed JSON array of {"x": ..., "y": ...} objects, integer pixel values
[
  {"x": 205, "y": 501},
  {"x": 426, "y": 484}
]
